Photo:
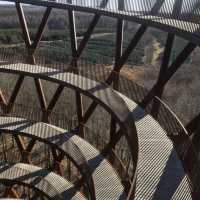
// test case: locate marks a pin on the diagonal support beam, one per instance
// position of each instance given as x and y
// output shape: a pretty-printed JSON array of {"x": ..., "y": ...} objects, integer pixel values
[
  {"x": 41, "y": 29},
  {"x": 177, "y": 7},
  {"x": 127, "y": 53},
  {"x": 55, "y": 98},
  {"x": 25, "y": 151},
  {"x": 118, "y": 55},
  {"x": 124, "y": 57},
  {"x": 179, "y": 61},
  {"x": 156, "y": 7},
  {"x": 90, "y": 30},
  {"x": 32, "y": 46},
  {"x": 170, "y": 72},
  {"x": 16, "y": 90},
  {"x": 40, "y": 93},
  {"x": 25, "y": 31},
  {"x": 42, "y": 99},
  {"x": 112, "y": 143},
  {"x": 79, "y": 50},
  {"x": 2, "y": 98},
  {"x": 163, "y": 70},
  {"x": 23, "y": 24},
  {"x": 14, "y": 94},
  {"x": 57, "y": 159},
  {"x": 30, "y": 145},
  {"x": 118, "y": 67},
  {"x": 193, "y": 125}
]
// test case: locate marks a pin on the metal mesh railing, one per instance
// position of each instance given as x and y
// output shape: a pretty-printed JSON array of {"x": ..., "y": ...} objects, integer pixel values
[
  {"x": 166, "y": 118},
  {"x": 177, "y": 11},
  {"x": 99, "y": 72},
  {"x": 96, "y": 133},
  {"x": 24, "y": 191}
]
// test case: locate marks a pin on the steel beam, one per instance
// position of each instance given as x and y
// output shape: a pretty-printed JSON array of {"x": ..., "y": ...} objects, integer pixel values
[
  {"x": 41, "y": 28},
  {"x": 112, "y": 143},
  {"x": 79, "y": 50},
  {"x": 163, "y": 70},
  {"x": 126, "y": 53},
  {"x": 24, "y": 150},
  {"x": 25, "y": 31},
  {"x": 90, "y": 30},
  {"x": 23, "y": 24},
  {"x": 32, "y": 46},
  {"x": 42, "y": 99},
  {"x": 169, "y": 73},
  {"x": 166, "y": 58},
  {"x": 120, "y": 63},
  {"x": 55, "y": 98},
  {"x": 193, "y": 125},
  {"x": 14, "y": 94},
  {"x": 73, "y": 36},
  {"x": 11, "y": 192},
  {"x": 74, "y": 46},
  {"x": 118, "y": 54},
  {"x": 57, "y": 159},
  {"x": 2, "y": 98}
]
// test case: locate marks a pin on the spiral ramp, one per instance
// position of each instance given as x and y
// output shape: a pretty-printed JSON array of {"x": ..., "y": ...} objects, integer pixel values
[{"x": 155, "y": 169}]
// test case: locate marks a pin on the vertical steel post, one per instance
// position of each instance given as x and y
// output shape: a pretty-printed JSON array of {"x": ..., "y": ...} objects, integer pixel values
[
  {"x": 79, "y": 102},
  {"x": 118, "y": 54}
]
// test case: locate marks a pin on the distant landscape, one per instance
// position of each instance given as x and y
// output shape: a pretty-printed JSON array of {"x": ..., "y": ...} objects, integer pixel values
[{"x": 182, "y": 93}]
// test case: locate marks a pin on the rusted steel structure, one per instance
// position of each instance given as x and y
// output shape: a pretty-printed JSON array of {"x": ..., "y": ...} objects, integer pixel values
[{"x": 156, "y": 149}]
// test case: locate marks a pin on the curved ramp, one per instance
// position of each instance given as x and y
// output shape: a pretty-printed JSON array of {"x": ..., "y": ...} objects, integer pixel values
[
  {"x": 106, "y": 182},
  {"x": 48, "y": 183},
  {"x": 159, "y": 164},
  {"x": 101, "y": 93},
  {"x": 160, "y": 172},
  {"x": 159, "y": 14}
]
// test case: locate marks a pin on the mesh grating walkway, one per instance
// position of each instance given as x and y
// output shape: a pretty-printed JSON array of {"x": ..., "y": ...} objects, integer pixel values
[
  {"x": 160, "y": 173},
  {"x": 178, "y": 17},
  {"x": 52, "y": 185},
  {"x": 106, "y": 182}
]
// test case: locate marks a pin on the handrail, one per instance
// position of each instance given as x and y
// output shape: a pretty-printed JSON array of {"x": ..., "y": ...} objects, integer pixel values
[
  {"x": 181, "y": 25},
  {"x": 101, "y": 93}
]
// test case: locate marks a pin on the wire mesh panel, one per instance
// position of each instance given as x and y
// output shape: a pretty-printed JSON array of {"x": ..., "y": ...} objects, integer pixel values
[
  {"x": 118, "y": 142},
  {"x": 180, "y": 14}
]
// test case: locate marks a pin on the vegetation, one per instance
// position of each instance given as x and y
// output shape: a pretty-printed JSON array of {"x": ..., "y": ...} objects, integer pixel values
[{"x": 182, "y": 92}]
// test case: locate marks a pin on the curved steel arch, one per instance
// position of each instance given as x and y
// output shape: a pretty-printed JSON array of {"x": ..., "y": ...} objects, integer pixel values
[
  {"x": 193, "y": 37},
  {"x": 40, "y": 180},
  {"x": 101, "y": 93},
  {"x": 73, "y": 147},
  {"x": 120, "y": 59},
  {"x": 185, "y": 30},
  {"x": 52, "y": 140}
]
